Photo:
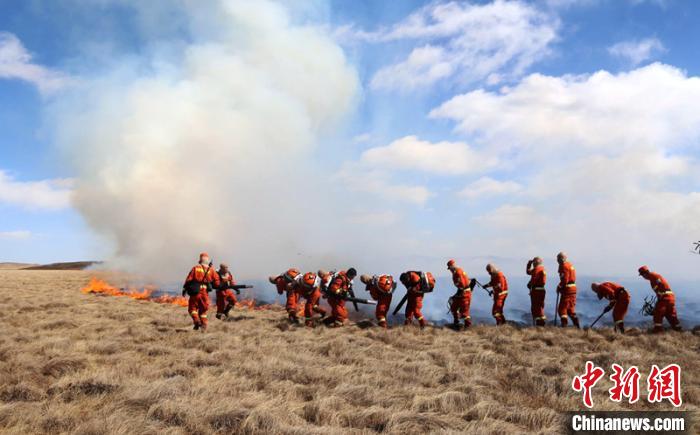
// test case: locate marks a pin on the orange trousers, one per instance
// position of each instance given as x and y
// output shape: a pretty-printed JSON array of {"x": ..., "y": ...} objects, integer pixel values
[
  {"x": 665, "y": 308},
  {"x": 225, "y": 301},
  {"x": 460, "y": 308},
  {"x": 497, "y": 311},
  {"x": 414, "y": 304},
  {"x": 311, "y": 306},
  {"x": 383, "y": 304},
  {"x": 198, "y": 305},
  {"x": 567, "y": 306},
  {"x": 537, "y": 307},
  {"x": 291, "y": 305},
  {"x": 622, "y": 302},
  {"x": 339, "y": 314}
]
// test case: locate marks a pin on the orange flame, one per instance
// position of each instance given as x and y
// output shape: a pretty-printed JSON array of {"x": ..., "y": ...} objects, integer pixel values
[{"x": 101, "y": 287}]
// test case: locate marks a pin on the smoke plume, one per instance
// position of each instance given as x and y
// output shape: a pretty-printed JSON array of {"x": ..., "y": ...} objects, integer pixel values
[{"x": 208, "y": 143}]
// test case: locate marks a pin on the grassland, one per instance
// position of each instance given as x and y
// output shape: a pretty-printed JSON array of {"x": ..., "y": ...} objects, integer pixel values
[{"x": 81, "y": 363}]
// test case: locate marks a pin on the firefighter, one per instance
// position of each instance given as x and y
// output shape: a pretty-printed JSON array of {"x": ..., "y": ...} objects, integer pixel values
[
  {"x": 567, "y": 291},
  {"x": 665, "y": 300},
  {"x": 225, "y": 299},
  {"x": 499, "y": 284},
  {"x": 538, "y": 279},
  {"x": 417, "y": 284},
  {"x": 197, "y": 285},
  {"x": 381, "y": 289},
  {"x": 619, "y": 299},
  {"x": 338, "y": 290},
  {"x": 307, "y": 286},
  {"x": 461, "y": 301},
  {"x": 285, "y": 284}
]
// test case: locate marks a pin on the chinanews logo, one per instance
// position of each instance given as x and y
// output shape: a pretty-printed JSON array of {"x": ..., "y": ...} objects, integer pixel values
[{"x": 662, "y": 384}]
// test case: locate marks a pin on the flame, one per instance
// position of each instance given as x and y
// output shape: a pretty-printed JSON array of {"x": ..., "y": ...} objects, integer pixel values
[{"x": 101, "y": 287}]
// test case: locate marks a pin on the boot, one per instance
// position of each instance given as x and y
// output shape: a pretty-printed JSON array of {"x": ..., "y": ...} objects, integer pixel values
[
  {"x": 467, "y": 322},
  {"x": 621, "y": 327},
  {"x": 421, "y": 322},
  {"x": 228, "y": 309},
  {"x": 574, "y": 319},
  {"x": 196, "y": 326},
  {"x": 564, "y": 322},
  {"x": 218, "y": 315}
]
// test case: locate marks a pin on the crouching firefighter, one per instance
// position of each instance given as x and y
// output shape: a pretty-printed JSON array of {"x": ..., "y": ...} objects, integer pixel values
[
  {"x": 460, "y": 302},
  {"x": 499, "y": 284},
  {"x": 619, "y": 299},
  {"x": 285, "y": 284},
  {"x": 308, "y": 287},
  {"x": 225, "y": 299},
  {"x": 417, "y": 285},
  {"x": 339, "y": 289},
  {"x": 381, "y": 289},
  {"x": 197, "y": 285},
  {"x": 665, "y": 300}
]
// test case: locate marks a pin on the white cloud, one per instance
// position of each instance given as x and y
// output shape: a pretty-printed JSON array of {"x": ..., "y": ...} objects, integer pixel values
[
  {"x": 656, "y": 105},
  {"x": 16, "y": 63},
  {"x": 513, "y": 217},
  {"x": 411, "y": 153},
  {"x": 465, "y": 42},
  {"x": 45, "y": 194},
  {"x": 15, "y": 235},
  {"x": 377, "y": 182},
  {"x": 487, "y": 186},
  {"x": 606, "y": 162},
  {"x": 637, "y": 51},
  {"x": 382, "y": 218}
]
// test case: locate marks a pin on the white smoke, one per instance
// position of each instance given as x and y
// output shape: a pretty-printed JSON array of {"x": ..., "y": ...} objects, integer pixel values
[{"x": 208, "y": 144}]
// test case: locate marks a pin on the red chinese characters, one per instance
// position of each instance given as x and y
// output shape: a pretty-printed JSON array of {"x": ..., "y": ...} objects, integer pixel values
[
  {"x": 662, "y": 384},
  {"x": 665, "y": 384},
  {"x": 626, "y": 384},
  {"x": 587, "y": 381}
]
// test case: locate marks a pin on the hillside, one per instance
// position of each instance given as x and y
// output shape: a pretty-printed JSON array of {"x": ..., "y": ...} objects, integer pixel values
[
  {"x": 71, "y": 265},
  {"x": 83, "y": 363}
]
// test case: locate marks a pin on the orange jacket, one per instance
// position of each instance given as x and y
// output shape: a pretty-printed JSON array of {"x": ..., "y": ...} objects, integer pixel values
[
  {"x": 204, "y": 275},
  {"x": 226, "y": 280},
  {"x": 538, "y": 278},
  {"x": 460, "y": 279},
  {"x": 413, "y": 284},
  {"x": 380, "y": 286},
  {"x": 340, "y": 284},
  {"x": 659, "y": 284},
  {"x": 499, "y": 284},
  {"x": 609, "y": 290},
  {"x": 567, "y": 276}
]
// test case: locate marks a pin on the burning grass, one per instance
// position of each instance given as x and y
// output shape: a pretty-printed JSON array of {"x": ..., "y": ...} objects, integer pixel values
[{"x": 76, "y": 363}]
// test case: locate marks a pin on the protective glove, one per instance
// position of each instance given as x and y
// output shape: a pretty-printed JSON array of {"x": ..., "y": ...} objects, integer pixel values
[{"x": 184, "y": 290}]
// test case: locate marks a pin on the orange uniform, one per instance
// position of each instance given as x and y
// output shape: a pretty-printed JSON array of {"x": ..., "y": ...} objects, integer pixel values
[
  {"x": 619, "y": 300},
  {"x": 381, "y": 289},
  {"x": 417, "y": 284},
  {"x": 567, "y": 292},
  {"x": 284, "y": 284},
  {"x": 461, "y": 301},
  {"x": 538, "y": 279},
  {"x": 225, "y": 298},
  {"x": 665, "y": 302},
  {"x": 201, "y": 277},
  {"x": 338, "y": 289},
  {"x": 499, "y": 284},
  {"x": 307, "y": 287}
]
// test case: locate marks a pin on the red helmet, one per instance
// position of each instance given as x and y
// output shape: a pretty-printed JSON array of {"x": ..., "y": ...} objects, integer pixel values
[
  {"x": 290, "y": 274},
  {"x": 450, "y": 263},
  {"x": 643, "y": 270},
  {"x": 309, "y": 279},
  {"x": 385, "y": 283},
  {"x": 202, "y": 255}
]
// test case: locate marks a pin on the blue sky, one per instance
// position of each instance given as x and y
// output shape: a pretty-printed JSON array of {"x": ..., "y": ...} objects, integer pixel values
[{"x": 451, "y": 135}]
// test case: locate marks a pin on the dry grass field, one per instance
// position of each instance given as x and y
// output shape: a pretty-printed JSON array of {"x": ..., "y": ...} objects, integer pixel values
[{"x": 82, "y": 363}]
